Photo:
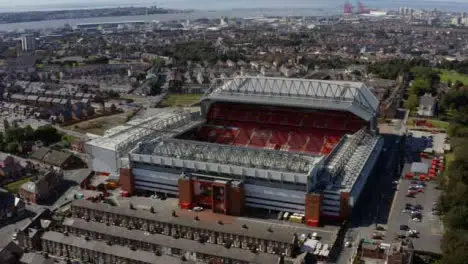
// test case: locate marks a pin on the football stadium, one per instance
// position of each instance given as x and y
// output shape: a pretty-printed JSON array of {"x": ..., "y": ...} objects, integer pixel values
[{"x": 287, "y": 145}]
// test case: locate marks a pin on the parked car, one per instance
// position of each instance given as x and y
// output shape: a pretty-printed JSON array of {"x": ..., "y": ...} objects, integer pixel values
[
  {"x": 198, "y": 209},
  {"x": 380, "y": 228},
  {"x": 416, "y": 219},
  {"x": 377, "y": 235},
  {"x": 401, "y": 235},
  {"x": 404, "y": 227},
  {"x": 419, "y": 207},
  {"x": 280, "y": 215}
]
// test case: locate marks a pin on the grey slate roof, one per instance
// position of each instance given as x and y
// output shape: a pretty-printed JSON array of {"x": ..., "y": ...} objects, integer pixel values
[
  {"x": 115, "y": 250},
  {"x": 168, "y": 241},
  {"x": 255, "y": 229}
]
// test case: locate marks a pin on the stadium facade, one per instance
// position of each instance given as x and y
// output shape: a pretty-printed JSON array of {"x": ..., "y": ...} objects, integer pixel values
[{"x": 294, "y": 145}]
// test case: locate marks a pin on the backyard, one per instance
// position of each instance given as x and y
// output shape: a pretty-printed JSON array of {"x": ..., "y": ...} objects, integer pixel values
[
  {"x": 180, "y": 100},
  {"x": 13, "y": 187}
]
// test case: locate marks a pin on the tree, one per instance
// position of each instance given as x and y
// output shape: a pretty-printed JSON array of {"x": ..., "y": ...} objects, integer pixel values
[
  {"x": 28, "y": 133},
  {"x": 457, "y": 217},
  {"x": 12, "y": 147},
  {"x": 420, "y": 87},
  {"x": 412, "y": 102},
  {"x": 47, "y": 134},
  {"x": 455, "y": 246},
  {"x": 457, "y": 85},
  {"x": 14, "y": 134},
  {"x": 158, "y": 62}
]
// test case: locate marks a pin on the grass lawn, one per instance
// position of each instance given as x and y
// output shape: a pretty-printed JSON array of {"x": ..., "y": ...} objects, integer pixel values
[
  {"x": 14, "y": 186},
  {"x": 181, "y": 99},
  {"x": 453, "y": 76},
  {"x": 69, "y": 138},
  {"x": 99, "y": 125},
  {"x": 449, "y": 158},
  {"x": 435, "y": 123}
]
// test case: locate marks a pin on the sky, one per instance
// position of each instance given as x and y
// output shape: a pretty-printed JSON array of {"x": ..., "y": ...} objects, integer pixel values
[{"x": 18, "y": 5}]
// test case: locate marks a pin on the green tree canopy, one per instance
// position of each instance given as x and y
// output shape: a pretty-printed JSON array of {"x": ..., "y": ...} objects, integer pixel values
[
  {"x": 412, "y": 102},
  {"x": 420, "y": 87}
]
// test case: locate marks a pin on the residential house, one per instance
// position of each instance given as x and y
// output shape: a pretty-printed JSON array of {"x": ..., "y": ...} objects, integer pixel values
[
  {"x": 427, "y": 105},
  {"x": 10, "y": 205},
  {"x": 57, "y": 158},
  {"x": 42, "y": 186},
  {"x": 36, "y": 258},
  {"x": 12, "y": 169},
  {"x": 10, "y": 252}
]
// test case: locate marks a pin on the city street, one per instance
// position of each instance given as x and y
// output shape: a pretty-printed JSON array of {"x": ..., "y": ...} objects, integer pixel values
[{"x": 374, "y": 204}]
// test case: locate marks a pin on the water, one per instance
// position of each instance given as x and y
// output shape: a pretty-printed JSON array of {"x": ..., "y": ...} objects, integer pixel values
[
  {"x": 228, "y": 8},
  {"x": 164, "y": 17}
]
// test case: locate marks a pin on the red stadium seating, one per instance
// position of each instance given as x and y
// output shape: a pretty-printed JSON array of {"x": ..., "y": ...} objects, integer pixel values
[
  {"x": 260, "y": 137},
  {"x": 281, "y": 129}
]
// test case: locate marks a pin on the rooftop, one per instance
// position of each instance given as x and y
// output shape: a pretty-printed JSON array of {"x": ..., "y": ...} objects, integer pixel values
[
  {"x": 227, "y": 154},
  {"x": 354, "y": 97},
  {"x": 119, "y": 138},
  {"x": 115, "y": 250},
  {"x": 168, "y": 241},
  {"x": 281, "y": 232}
]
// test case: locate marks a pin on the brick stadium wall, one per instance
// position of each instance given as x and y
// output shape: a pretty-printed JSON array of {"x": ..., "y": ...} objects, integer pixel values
[
  {"x": 185, "y": 193},
  {"x": 127, "y": 181},
  {"x": 312, "y": 209},
  {"x": 236, "y": 200}
]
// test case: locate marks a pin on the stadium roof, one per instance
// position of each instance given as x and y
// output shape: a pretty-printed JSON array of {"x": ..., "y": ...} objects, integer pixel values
[{"x": 354, "y": 97}]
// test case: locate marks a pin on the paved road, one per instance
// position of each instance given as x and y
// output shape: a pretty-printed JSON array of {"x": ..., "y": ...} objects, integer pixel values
[{"x": 374, "y": 204}]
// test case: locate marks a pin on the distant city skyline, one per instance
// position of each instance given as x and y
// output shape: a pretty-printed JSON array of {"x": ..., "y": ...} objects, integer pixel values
[{"x": 30, "y": 5}]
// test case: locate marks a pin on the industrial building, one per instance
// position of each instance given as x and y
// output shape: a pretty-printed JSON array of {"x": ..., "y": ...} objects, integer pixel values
[{"x": 293, "y": 145}]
